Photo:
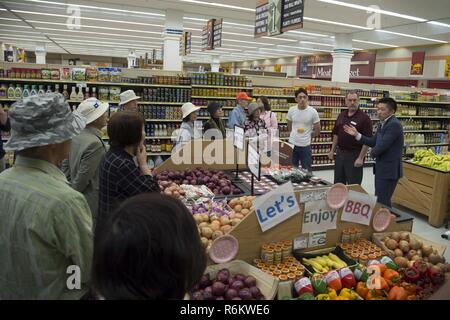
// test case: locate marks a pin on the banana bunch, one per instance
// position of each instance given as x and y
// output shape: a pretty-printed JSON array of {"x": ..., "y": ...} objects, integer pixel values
[
  {"x": 325, "y": 263},
  {"x": 428, "y": 158}
]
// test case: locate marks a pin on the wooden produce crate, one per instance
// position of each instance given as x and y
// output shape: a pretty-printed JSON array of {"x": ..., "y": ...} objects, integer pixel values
[
  {"x": 265, "y": 282},
  {"x": 426, "y": 191},
  {"x": 377, "y": 238}
]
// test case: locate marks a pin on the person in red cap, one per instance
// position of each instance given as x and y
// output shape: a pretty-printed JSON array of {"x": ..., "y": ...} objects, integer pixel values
[{"x": 238, "y": 115}]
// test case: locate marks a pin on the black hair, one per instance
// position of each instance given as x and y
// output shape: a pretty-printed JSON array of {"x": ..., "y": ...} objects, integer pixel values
[
  {"x": 149, "y": 248},
  {"x": 266, "y": 103},
  {"x": 128, "y": 122},
  {"x": 391, "y": 103},
  {"x": 301, "y": 90}
]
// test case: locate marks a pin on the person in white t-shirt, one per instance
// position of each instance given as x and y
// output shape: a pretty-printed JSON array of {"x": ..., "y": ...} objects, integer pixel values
[{"x": 304, "y": 124}]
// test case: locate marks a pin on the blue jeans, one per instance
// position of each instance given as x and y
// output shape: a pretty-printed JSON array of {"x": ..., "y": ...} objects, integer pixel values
[{"x": 302, "y": 155}]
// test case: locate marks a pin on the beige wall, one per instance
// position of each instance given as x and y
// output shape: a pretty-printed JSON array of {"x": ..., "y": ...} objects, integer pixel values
[{"x": 390, "y": 62}]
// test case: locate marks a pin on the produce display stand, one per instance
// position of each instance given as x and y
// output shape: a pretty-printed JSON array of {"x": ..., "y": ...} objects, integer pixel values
[
  {"x": 426, "y": 191},
  {"x": 250, "y": 236},
  {"x": 248, "y": 231}
]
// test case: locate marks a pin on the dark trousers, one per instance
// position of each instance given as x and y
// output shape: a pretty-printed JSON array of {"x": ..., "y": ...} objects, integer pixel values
[
  {"x": 344, "y": 168},
  {"x": 302, "y": 155},
  {"x": 384, "y": 189}
]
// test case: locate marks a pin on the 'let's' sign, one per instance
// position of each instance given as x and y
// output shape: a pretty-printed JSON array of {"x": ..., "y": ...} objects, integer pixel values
[
  {"x": 276, "y": 206},
  {"x": 359, "y": 208}
]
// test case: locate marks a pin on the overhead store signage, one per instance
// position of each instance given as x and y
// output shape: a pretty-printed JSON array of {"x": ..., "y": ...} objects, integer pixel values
[
  {"x": 273, "y": 17},
  {"x": 417, "y": 63},
  {"x": 185, "y": 43},
  {"x": 276, "y": 206},
  {"x": 218, "y": 33},
  {"x": 212, "y": 34},
  {"x": 321, "y": 66},
  {"x": 359, "y": 208},
  {"x": 318, "y": 217}
]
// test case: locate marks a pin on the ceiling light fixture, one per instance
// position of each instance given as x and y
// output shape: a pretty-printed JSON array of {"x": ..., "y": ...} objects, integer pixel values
[
  {"x": 221, "y": 5},
  {"x": 309, "y": 33},
  {"x": 375, "y": 43},
  {"x": 88, "y": 18},
  {"x": 99, "y": 8},
  {"x": 371, "y": 9},
  {"x": 437, "y": 23},
  {"x": 94, "y": 27},
  {"x": 410, "y": 36}
]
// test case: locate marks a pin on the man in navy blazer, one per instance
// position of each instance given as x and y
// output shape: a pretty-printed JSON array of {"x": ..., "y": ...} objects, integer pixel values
[{"x": 387, "y": 149}]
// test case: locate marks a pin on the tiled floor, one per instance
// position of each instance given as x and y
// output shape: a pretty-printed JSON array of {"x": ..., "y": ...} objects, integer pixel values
[{"x": 420, "y": 226}]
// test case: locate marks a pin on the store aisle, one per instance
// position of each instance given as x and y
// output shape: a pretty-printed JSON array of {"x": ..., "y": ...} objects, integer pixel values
[{"x": 420, "y": 226}]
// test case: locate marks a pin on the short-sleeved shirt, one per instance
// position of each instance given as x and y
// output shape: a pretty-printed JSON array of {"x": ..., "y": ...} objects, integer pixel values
[
  {"x": 360, "y": 120},
  {"x": 302, "y": 125},
  {"x": 46, "y": 227}
]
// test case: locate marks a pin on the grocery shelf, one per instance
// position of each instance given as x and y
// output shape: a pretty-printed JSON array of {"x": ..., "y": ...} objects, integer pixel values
[
  {"x": 163, "y": 120},
  {"x": 221, "y": 98},
  {"x": 161, "y": 102},
  {"x": 125, "y": 84},
  {"x": 220, "y": 87},
  {"x": 426, "y": 131},
  {"x": 428, "y": 144},
  {"x": 8, "y": 99},
  {"x": 319, "y": 154},
  {"x": 425, "y": 117},
  {"x": 158, "y": 137},
  {"x": 159, "y": 153},
  {"x": 425, "y": 102}
]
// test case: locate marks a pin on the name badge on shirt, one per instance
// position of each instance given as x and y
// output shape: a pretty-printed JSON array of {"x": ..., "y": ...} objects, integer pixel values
[{"x": 353, "y": 123}]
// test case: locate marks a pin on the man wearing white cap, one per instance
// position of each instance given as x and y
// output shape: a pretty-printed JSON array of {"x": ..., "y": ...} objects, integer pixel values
[
  {"x": 87, "y": 151},
  {"x": 128, "y": 101},
  {"x": 187, "y": 129}
]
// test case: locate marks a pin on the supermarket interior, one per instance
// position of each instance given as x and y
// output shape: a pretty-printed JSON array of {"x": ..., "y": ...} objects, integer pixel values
[{"x": 224, "y": 150}]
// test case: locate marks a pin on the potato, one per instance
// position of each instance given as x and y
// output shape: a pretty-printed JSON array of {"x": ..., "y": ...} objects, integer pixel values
[
  {"x": 217, "y": 234},
  {"x": 224, "y": 221},
  {"x": 215, "y": 226},
  {"x": 225, "y": 229},
  {"x": 205, "y": 242},
  {"x": 238, "y": 208},
  {"x": 239, "y": 216},
  {"x": 205, "y": 217},
  {"x": 207, "y": 232},
  {"x": 233, "y": 202},
  {"x": 203, "y": 225},
  {"x": 245, "y": 212},
  {"x": 246, "y": 205},
  {"x": 198, "y": 218}
]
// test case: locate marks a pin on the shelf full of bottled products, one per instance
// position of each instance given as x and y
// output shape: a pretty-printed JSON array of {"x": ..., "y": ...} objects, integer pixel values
[{"x": 161, "y": 97}]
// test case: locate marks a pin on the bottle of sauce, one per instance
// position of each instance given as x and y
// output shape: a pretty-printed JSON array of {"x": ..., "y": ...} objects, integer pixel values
[
  {"x": 65, "y": 92},
  {"x": 80, "y": 95},
  {"x": 11, "y": 92},
  {"x": 49, "y": 89},
  {"x": 41, "y": 91},
  {"x": 26, "y": 91},
  {"x": 18, "y": 92},
  {"x": 73, "y": 94},
  {"x": 33, "y": 91}
]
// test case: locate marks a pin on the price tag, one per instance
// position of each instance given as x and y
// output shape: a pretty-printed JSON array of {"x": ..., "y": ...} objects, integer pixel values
[
  {"x": 317, "y": 239},
  {"x": 239, "y": 137},
  {"x": 253, "y": 161}
]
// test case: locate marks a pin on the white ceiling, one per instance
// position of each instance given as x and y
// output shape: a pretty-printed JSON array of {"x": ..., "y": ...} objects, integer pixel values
[{"x": 110, "y": 28}]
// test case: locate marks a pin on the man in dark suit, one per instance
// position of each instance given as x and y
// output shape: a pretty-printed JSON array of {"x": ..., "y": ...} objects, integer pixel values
[{"x": 387, "y": 149}]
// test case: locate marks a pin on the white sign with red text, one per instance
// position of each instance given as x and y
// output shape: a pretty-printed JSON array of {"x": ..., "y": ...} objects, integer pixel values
[{"x": 359, "y": 208}]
